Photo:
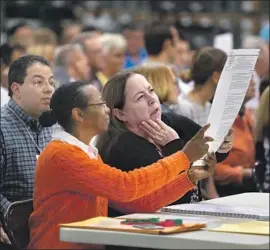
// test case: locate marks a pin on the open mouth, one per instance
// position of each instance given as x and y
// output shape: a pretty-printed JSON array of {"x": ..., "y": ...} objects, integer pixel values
[
  {"x": 155, "y": 112},
  {"x": 46, "y": 100}
]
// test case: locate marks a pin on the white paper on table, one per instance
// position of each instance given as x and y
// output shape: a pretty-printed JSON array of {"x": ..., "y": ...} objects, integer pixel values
[
  {"x": 224, "y": 42},
  {"x": 230, "y": 93}
]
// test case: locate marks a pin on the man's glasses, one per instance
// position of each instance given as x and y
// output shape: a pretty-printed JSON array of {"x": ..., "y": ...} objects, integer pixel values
[{"x": 42, "y": 83}]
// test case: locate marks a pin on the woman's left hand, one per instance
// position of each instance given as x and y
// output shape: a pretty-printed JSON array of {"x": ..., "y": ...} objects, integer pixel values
[
  {"x": 226, "y": 146},
  {"x": 159, "y": 132}
]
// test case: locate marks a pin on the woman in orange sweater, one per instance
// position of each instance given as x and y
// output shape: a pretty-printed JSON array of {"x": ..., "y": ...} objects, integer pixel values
[{"x": 71, "y": 181}]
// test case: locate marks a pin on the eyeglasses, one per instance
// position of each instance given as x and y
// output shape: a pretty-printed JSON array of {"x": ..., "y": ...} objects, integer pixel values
[
  {"x": 42, "y": 83},
  {"x": 103, "y": 104}
]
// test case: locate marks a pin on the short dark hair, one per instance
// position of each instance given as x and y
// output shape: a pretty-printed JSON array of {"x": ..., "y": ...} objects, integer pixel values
[
  {"x": 90, "y": 28},
  {"x": 5, "y": 54},
  {"x": 134, "y": 26},
  {"x": 64, "y": 99},
  {"x": 11, "y": 31},
  {"x": 206, "y": 61},
  {"x": 155, "y": 36},
  {"x": 6, "y": 51},
  {"x": 18, "y": 69}
]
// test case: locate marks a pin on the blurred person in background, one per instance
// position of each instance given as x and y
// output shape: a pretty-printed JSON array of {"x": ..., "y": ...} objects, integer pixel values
[
  {"x": 186, "y": 48},
  {"x": 164, "y": 44},
  {"x": 21, "y": 33},
  {"x": 44, "y": 43},
  {"x": 235, "y": 175},
  {"x": 21, "y": 30},
  {"x": 160, "y": 42},
  {"x": 182, "y": 66},
  {"x": 163, "y": 80},
  {"x": 261, "y": 72},
  {"x": 114, "y": 49},
  {"x": 207, "y": 66},
  {"x": 46, "y": 51},
  {"x": 8, "y": 55},
  {"x": 92, "y": 28},
  {"x": 183, "y": 53},
  {"x": 262, "y": 138},
  {"x": 91, "y": 44},
  {"x": 71, "y": 64},
  {"x": 69, "y": 31},
  {"x": 182, "y": 56},
  {"x": 44, "y": 36},
  {"x": 136, "y": 52}
]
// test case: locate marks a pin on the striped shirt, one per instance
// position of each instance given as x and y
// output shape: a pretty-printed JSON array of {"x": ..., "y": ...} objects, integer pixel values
[{"x": 22, "y": 139}]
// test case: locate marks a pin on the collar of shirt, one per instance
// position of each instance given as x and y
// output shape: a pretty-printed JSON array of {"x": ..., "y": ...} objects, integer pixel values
[
  {"x": 27, "y": 119},
  {"x": 62, "y": 135}
]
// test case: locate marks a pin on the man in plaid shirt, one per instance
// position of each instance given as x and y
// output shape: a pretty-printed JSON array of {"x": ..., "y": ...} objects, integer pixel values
[{"x": 31, "y": 85}]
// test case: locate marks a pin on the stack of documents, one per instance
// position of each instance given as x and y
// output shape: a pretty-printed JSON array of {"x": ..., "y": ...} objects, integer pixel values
[{"x": 219, "y": 210}]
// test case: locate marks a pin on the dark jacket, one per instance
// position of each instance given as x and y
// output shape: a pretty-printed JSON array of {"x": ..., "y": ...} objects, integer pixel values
[{"x": 131, "y": 151}]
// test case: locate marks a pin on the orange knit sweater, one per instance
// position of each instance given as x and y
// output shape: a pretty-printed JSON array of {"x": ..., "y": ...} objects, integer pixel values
[{"x": 70, "y": 186}]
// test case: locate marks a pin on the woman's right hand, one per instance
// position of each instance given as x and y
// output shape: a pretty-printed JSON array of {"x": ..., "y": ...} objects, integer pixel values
[
  {"x": 196, "y": 173},
  {"x": 159, "y": 132},
  {"x": 197, "y": 147}
]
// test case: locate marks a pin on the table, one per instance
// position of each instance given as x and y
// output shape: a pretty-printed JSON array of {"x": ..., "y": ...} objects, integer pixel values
[{"x": 202, "y": 239}]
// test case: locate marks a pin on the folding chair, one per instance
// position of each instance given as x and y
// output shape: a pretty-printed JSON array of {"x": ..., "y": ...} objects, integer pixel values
[{"x": 15, "y": 223}]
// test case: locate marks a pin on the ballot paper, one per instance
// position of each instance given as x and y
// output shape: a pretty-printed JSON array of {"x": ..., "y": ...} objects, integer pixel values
[
  {"x": 230, "y": 94},
  {"x": 224, "y": 42}
]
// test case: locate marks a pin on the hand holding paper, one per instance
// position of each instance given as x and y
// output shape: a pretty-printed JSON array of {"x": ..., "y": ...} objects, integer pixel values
[
  {"x": 197, "y": 173},
  {"x": 197, "y": 146},
  {"x": 230, "y": 93}
]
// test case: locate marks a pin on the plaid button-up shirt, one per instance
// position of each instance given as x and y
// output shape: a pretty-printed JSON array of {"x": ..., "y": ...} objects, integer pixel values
[{"x": 21, "y": 141}]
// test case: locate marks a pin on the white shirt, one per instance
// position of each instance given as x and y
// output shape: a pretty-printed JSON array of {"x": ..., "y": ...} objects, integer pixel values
[
  {"x": 4, "y": 96},
  {"x": 185, "y": 88},
  {"x": 62, "y": 135},
  {"x": 196, "y": 112}
]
